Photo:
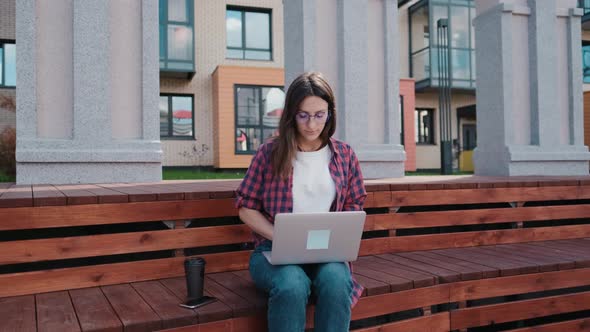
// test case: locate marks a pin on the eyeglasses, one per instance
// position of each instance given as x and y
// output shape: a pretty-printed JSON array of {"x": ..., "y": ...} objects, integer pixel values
[{"x": 319, "y": 117}]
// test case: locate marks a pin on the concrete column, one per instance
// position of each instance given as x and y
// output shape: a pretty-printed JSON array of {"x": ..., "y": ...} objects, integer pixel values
[
  {"x": 340, "y": 45},
  {"x": 87, "y": 109},
  {"x": 529, "y": 88}
]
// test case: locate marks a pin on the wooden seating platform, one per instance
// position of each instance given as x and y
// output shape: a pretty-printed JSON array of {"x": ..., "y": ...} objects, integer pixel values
[{"x": 440, "y": 255}]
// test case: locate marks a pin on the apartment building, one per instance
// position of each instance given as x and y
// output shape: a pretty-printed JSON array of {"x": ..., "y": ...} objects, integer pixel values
[
  {"x": 419, "y": 53},
  {"x": 222, "y": 81}
]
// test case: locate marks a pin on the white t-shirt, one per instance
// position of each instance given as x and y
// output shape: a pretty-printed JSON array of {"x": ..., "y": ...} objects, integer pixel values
[{"x": 313, "y": 187}]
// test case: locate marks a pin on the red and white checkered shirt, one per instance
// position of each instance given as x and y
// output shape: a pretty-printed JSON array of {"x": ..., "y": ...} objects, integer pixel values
[{"x": 269, "y": 194}]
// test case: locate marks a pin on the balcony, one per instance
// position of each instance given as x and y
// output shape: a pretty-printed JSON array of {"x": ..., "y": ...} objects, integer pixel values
[
  {"x": 424, "y": 47},
  {"x": 585, "y": 4},
  {"x": 177, "y": 40}
]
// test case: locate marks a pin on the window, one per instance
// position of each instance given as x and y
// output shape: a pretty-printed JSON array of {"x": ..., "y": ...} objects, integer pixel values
[
  {"x": 258, "y": 111},
  {"x": 7, "y": 64},
  {"x": 176, "y": 116},
  {"x": 177, "y": 51},
  {"x": 424, "y": 43},
  {"x": 248, "y": 33},
  {"x": 424, "y": 119},
  {"x": 586, "y": 60},
  {"x": 584, "y": 4}
]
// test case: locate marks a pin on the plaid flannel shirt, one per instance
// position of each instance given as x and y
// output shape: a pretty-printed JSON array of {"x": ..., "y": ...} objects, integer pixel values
[{"x": 271, "y": 195}]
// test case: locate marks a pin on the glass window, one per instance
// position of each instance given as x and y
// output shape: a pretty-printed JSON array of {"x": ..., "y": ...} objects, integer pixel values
[
  {"x": 248, "y": 34},
  {"x": 458, "y": 40},
  {"x": 177, "y": 51},
  {"x": 176, "y": 116},
  {"x": 424, "y": 119},
  {"x": 460, "y": 26},
  {"x": 178, "y": 11},
  {"x": 258, "y": 112},
  {"x": 7, "y": 64},
  {"x": 586, "y": 60}
]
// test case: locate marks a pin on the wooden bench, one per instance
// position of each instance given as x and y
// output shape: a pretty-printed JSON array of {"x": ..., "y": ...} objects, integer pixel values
[{"x": 437, "y": 255}]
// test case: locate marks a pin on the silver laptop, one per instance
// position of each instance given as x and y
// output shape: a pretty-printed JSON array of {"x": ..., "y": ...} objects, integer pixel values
[{"x": 300, "y": 238}]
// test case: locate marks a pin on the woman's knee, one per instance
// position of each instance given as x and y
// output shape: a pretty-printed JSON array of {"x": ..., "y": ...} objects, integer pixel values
[
  {"x": 290, "y": 282},
  {"x": 333, "y": 278}
]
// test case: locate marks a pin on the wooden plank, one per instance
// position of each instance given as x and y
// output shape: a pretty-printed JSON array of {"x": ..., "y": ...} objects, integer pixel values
[
  {"x": 394, "y": 283},
  {"x": 465, "y": 272},
  {"x": 107, "y": 195},
  {"x": 527, "y": 265},
  {"x": 527, "y": 283},
  {"x": 163, "y": 191},
  {"x": 577, "y": 325},
  {"x": 489, "y": 195},
  {"x": 519, "y": 310},
  {"x": 47, "y": 195},
  {"x": 165, "y": 304},
  {"x": 77, "y": 195},
  {"x": 443, "y": 275},
  {"x": 378, "y": 305},
  {"x": 239, "y": 306},
  {"x": 477, "y": 216},
  {"x": 252, "y": 323},
  {"x": 418, "y": 278},
  {"x": 432, "y": 323},
  {"x": 134, "y": 313},
  {"x": 581, "y": 260},
  {"x": 468, "y": 239},
  {"x": 566, "y": 249},
  {"x": 94, "y": 311},
  {"x": 506, "y": 268},
  {"x": 192, "y": 190},
  {"x": 111, "y": 244},
  {"x": 65, "y": 216},
  {"x": 371, "y": 286},
  {"x": 55, "y": 313},
  {"x": 208, "y": 313},
  {"x": 486, "y": 271},
  {"x": 25, "y": 283},
  {"x": 134, "y": 194},
  {"x": 17, "y": 196},
  {"x": 18, "y": 314},
  {"x": 242, "y": 287},
  {"x": 544, "y": 263},
  {"x": 563, "y": 263}
]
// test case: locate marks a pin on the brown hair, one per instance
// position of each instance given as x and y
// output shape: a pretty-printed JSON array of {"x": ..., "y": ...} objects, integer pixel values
[{"x": 285, "y": 145}]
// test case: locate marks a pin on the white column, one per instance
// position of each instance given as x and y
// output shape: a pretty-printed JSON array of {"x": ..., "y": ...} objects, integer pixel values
[
  {"x": 66, "y": 122},
  {"x": 340, "y": 45},
  {"x": 529, "y": 88}
]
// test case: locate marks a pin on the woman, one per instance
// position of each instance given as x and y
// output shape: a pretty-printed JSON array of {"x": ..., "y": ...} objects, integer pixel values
[{"x": 304, "y": 169}]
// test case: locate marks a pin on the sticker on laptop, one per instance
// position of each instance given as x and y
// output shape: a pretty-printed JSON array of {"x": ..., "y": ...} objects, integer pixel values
[{"x": 318, "y": 239}]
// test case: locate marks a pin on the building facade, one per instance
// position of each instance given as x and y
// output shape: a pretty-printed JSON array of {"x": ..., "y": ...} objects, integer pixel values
[
  {"x": 419, "y": 59},
  {"x": 221, "y": 79},
  {"x": 222, "y": 96},
  {"x": 7, "y": 59}
]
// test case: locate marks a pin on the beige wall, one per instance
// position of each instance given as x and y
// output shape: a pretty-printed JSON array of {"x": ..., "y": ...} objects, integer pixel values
[
  {"x": 7, "y": 19},
  {"x": 209, "y": 53},
  {"x": 428, "y": 156}
]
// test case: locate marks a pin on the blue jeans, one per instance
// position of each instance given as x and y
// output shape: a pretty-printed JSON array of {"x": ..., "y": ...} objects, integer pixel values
[{"x": 289, "y": 287}]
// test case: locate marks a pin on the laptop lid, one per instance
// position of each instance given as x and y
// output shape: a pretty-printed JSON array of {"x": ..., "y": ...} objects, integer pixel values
[{"x": 300, "y": 238}]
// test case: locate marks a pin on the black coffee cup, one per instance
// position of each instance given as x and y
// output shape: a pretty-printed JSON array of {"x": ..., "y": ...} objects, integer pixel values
[{"x": 195, "y": 277}]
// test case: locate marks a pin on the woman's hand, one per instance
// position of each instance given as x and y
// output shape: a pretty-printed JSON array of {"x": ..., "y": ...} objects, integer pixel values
[{"x": 257, "y": 222}]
